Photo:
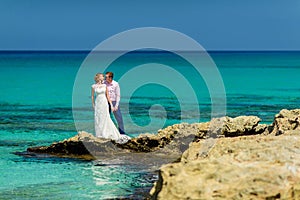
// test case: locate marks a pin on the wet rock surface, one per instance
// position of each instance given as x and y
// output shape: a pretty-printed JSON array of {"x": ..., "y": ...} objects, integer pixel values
[{"x": 83, "y": 145}]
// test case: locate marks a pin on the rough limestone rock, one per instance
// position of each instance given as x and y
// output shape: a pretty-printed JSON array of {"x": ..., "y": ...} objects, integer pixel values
[
  {"x": 246, "y": 167},
  {"x": 173, "y": 140},
  {"x": 176, "y": 138},
  {"x": 286, "y": 120},
  {"x": 233, "y": 127},
  {"x": 220, "y": 179}
]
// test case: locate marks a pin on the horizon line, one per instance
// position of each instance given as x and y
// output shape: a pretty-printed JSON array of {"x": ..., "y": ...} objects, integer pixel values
[{"x": 142, "y": 50}]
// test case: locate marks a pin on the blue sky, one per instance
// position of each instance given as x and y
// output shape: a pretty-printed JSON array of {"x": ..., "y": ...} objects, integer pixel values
[{"x": 215, "y": 24}]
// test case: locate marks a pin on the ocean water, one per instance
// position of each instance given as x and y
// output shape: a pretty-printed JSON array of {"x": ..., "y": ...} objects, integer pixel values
[{"x": 44, "y": 99}]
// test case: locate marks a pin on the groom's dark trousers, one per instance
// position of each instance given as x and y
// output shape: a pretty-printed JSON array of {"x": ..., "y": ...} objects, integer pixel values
[{"x": 118, "y": 117}]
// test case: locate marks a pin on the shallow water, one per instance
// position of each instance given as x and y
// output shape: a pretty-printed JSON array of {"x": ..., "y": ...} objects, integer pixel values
[{"x": 36, "y": 109}]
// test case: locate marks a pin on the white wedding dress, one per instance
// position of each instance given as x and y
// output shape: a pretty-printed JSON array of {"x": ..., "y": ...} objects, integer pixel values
[{"x": 104, "y": 126}]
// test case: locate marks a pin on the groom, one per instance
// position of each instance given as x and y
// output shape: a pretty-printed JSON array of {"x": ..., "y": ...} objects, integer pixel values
[{"x": 114, "y": 95}]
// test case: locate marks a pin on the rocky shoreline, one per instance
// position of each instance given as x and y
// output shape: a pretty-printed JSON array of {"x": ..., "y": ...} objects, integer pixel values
[
  {"x": 226, "y": 158},
  {"x": 173, "y": 140}
]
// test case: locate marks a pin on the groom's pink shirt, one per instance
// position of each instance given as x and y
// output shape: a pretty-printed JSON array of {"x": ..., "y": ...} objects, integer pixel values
[{"x": 114, "y": 91}]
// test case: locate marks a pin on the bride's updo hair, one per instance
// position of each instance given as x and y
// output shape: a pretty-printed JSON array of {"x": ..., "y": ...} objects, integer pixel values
[{"x": 97, "y": 77}]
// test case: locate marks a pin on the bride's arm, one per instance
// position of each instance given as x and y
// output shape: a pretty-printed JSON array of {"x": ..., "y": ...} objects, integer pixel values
[
  {"x": 93, "y": 101},
  {"x": 108, "y": 99}
]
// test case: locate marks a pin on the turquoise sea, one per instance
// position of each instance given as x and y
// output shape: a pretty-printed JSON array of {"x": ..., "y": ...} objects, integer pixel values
[{"x": 37, "y": 108}]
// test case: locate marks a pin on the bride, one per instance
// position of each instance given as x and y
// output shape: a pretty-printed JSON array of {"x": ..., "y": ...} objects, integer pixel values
[{"x": 104, "y": 126}]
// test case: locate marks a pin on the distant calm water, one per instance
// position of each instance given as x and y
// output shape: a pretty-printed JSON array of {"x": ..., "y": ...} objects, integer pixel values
[{"x": 36, "y": 109}]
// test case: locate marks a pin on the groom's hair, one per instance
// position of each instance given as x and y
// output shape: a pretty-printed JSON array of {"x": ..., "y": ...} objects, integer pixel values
[{"x": 110, "y": 74}]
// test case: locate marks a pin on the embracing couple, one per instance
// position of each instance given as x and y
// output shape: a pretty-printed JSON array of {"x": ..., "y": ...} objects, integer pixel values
[{"x": 106, "y": 98}]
